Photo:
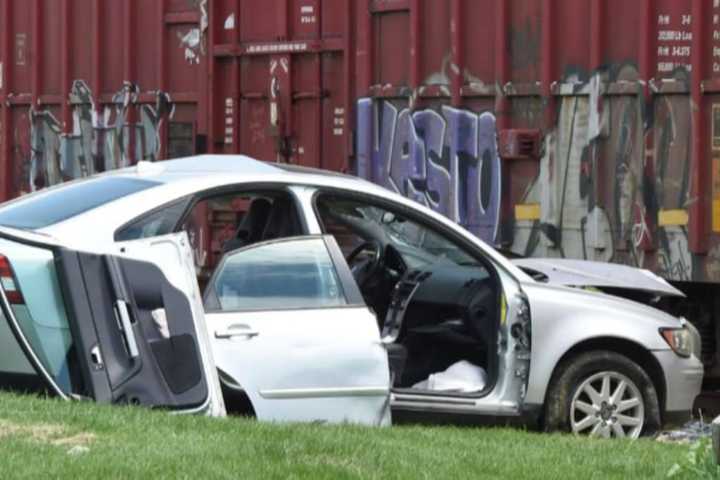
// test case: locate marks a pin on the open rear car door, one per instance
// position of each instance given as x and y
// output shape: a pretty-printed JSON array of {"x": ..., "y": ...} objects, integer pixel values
[
  {"x": 292, "y": 331},
  {"x": 110, "y": 328}
]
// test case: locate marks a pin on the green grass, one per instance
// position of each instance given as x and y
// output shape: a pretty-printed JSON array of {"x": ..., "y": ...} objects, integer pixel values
[{"x": 50, "y": 439}]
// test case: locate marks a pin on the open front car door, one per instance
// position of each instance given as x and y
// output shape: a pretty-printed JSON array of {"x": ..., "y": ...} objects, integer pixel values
[{"x": 113, "y": 329}]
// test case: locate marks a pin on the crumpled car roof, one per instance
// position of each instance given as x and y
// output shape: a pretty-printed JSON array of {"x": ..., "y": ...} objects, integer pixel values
[{"x": 585, "y": 273}]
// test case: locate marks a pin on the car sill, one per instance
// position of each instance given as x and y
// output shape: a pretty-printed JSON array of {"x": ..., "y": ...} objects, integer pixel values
[{"x": 324, "y": 392}]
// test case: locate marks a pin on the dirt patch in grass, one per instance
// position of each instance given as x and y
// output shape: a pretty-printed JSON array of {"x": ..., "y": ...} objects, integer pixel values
[
  {"x": 79, "y": 439},
  {"x": 328, "y": 460},
  {"x": 45, "y": 433}
]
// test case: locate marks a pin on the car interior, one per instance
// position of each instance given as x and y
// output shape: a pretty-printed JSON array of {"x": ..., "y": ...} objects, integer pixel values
[{"x": 438, "y": 308}]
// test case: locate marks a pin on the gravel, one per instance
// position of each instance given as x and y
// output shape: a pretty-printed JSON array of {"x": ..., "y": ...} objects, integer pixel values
[{"x": 690, "y": 432}]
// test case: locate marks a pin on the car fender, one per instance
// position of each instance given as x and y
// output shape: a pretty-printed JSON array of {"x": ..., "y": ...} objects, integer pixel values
[{"x": 563, "y": 318}]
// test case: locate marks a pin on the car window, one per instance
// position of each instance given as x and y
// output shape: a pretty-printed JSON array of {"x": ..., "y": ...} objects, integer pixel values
[
  {"x": 160, "y": 222},
  {"x": 419, "y": 245},
  {"x": 47, "y": 207},
  {"x": 345, "y": 237},
  {"x": 296, "y": 273},
  {"x": 218, "y": 224},
  {"x": 41, "y": 313}
]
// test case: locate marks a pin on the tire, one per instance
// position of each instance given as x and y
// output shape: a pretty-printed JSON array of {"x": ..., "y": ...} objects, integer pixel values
[{"x": 576, "y": 402}]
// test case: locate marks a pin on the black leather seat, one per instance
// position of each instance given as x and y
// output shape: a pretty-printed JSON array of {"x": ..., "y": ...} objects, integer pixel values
[
  {"x": 252, "y": 226},
  {"x": 283, "y": 220}
]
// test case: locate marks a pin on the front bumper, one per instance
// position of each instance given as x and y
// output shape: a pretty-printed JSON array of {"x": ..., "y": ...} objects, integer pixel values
[{"x": 683, "y": 380}]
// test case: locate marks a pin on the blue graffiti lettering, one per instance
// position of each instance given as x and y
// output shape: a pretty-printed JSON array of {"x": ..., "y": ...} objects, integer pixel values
[{"x": 446, "y": 160}]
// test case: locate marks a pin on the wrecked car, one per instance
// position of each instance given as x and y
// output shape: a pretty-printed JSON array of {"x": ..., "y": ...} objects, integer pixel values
[{"x": 331, "y": 299}]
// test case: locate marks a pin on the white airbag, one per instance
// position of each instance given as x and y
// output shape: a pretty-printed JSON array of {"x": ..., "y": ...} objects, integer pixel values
[{"x": 462, "y": 376}]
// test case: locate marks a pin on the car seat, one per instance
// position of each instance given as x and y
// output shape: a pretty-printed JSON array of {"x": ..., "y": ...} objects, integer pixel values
[{"x": 252, "y": 225}]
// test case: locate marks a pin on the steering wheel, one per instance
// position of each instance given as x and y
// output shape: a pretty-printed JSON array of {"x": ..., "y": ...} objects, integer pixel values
[{"x": 365, "y": 270}]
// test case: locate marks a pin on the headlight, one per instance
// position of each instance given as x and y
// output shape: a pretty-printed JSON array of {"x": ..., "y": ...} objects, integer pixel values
[
  {"x": 679, "y": 340},
  {"x": 696, "y": 340}
]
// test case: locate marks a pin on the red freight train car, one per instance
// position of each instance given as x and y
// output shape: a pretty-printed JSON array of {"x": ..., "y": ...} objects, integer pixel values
[{"x": 576, "y": 128}]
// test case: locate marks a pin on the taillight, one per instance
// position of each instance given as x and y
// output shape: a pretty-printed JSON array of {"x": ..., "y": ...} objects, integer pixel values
[{"x": 8, "y": 282}]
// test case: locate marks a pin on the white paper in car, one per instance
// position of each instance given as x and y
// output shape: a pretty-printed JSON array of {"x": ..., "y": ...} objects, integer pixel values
[
  {"x": 462, "y": 376},
  {"x": 160, "y": 320}
]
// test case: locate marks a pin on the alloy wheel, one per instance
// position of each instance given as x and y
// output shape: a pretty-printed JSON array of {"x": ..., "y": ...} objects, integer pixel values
[{"x": 607, "y": 404}]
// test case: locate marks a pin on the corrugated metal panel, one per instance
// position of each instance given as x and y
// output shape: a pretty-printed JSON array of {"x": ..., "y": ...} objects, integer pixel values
[
  {"x": 282, "y": 80},
  {"x": 413, "y": 94}
]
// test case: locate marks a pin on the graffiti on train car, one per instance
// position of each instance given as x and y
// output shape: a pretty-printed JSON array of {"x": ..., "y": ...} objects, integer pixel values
[
  {"x": 446, "y": 159},
  {"x": 98, "y": 141},
  {"x": 573, "y": 222},
  {"x": 193, "y": 40},
  {"x": 611, "y": 167}
]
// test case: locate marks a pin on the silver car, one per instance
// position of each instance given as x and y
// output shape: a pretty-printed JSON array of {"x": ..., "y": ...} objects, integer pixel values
[{"x": 324, "y": 297}]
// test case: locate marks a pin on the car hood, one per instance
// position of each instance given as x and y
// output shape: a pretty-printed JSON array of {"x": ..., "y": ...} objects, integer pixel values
[
  {"x": 584, "y": 303},
  {"x": 584, "y": 273}
]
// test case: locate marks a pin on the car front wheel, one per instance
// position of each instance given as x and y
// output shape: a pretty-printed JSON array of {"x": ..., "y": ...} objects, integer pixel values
[{"x": 602, "y": 394}]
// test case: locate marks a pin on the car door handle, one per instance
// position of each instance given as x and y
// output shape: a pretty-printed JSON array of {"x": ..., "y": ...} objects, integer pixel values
[
  {"x": 237, "y": 330},
  {"x": 126, "y": 328}
]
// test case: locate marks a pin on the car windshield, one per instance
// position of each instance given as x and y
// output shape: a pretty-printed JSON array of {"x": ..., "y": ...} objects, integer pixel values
[
  {"x": 418, "y": 244},
  {"x": 45, "y": 208}
]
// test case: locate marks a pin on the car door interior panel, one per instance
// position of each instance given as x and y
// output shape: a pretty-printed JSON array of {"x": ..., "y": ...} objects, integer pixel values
[{"x": 130, "y": 357}]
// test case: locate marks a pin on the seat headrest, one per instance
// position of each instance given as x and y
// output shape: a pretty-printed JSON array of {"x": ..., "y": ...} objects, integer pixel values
[
  {"x": 283, "y": 221},
  {"x": 254, "y": 222}
]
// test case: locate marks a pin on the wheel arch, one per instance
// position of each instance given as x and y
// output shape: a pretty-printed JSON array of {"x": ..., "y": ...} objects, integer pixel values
[
  {"x": 630, "y": 349},
  {"x": 237, "y": 401}
]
